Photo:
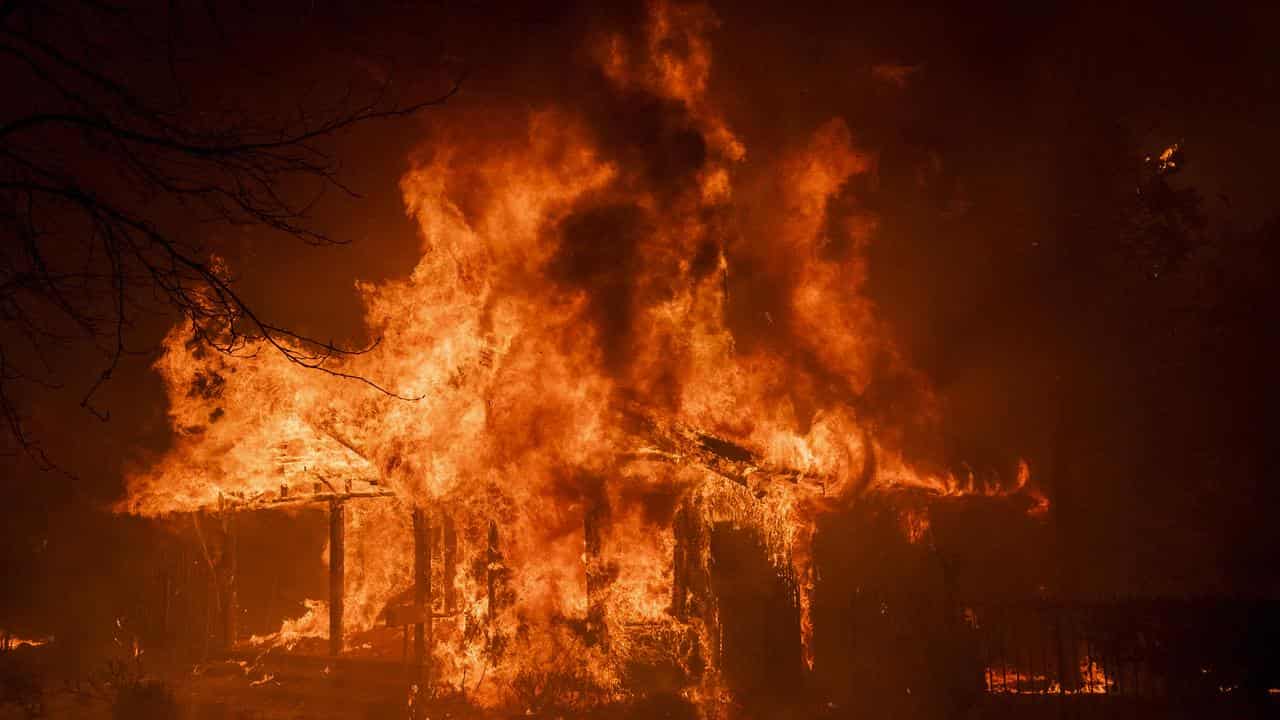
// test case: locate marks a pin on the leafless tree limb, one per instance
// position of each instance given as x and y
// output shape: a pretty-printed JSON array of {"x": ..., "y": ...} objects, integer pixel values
[{"x": 90, "y": 166}]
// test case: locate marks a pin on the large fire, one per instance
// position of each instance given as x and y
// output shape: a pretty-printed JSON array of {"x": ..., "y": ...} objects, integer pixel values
[{"x": 575, "y": 391}]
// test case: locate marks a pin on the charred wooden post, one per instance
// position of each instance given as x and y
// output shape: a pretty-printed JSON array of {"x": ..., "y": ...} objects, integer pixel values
[
  {"x": 692, "y": 601},
  {"x": 428, "y": 606},
  {"x": 450, "y": 564},
  {"x": 211, "y": 599},
  {"x": 1068, "y": 670},
  {"x": 422, "y": 594},
  {"x": 166, "y": 632},
  {"x": 337, "y": 574},
  {"x": 491, "y": 573},
  {"x": 597, "y": 575},
  {"x": 189, "y": 606},
  {"x": 419, "y": 564},
  {"x": 685, "y": 532},
  {"x": 230, "y": 611},
  {"x": 691, "y": 587}
]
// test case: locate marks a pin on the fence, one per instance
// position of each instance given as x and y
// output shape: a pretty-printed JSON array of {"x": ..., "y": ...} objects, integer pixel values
[{"x": 1143, "y": 649}]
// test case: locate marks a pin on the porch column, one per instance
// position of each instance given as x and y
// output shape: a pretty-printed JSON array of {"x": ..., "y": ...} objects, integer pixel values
[{"x": 337, "y": 573}]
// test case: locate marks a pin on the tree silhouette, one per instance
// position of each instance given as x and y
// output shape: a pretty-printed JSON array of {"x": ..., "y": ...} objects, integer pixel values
[{"x": 109, "y": 157}]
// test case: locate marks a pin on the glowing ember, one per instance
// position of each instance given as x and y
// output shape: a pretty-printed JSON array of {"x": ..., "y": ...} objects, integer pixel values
[
  {"x": 1008, "y": 679},
  {"x": 13, "y": 642},
  {"x": 915, "y": 524}
]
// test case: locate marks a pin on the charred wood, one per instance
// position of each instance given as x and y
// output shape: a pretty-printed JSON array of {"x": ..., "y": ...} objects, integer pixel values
[
  {"x": 422, "y": 631},
  {"x": 450, "y": 564},
  {"x": 593, "y": 521},
  {"x": 673, "y": 442},
  {"x": 492, "y": 573},
  {"x": 337, "y": 574},
  {"x": 230, "y": 611}
]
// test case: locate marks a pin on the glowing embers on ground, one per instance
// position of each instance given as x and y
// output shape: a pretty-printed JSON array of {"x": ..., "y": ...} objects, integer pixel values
[
  {"x": 1091, "y": 679},
  {"x": 11, "y": 641}
]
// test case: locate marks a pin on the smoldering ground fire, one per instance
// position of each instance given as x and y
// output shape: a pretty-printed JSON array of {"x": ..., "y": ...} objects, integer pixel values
[{"x": 639, "y": 435}]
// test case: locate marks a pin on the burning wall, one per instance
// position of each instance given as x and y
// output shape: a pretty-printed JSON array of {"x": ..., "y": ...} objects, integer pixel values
[{"x": 572, "y": 280}]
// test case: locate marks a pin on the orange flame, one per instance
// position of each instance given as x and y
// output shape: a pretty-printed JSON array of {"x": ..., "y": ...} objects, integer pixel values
[{"x": 558, "y": 295}]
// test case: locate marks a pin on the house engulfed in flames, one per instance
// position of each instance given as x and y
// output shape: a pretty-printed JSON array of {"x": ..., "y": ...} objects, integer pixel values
[{"x": 603, "y": 365}]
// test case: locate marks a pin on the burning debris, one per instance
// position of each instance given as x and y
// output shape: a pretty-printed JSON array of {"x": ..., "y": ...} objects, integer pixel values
[{"x": 11, "y": 641}]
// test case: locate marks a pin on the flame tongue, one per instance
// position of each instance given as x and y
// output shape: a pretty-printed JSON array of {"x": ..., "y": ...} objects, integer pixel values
[{"x": 596, "y": 348}]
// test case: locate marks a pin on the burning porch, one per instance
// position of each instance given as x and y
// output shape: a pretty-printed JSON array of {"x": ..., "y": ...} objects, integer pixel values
[{"x": 710, "y": 601}]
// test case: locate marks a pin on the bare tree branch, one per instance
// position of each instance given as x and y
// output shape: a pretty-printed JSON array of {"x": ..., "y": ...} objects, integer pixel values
[{"x": 92, "y": 164}]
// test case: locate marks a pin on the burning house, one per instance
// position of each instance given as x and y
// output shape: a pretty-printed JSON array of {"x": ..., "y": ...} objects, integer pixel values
[
  {"x": 723, "y": 606},
  {"x": 636, "y": 427},
  {"x": 559, "y": 464}
]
